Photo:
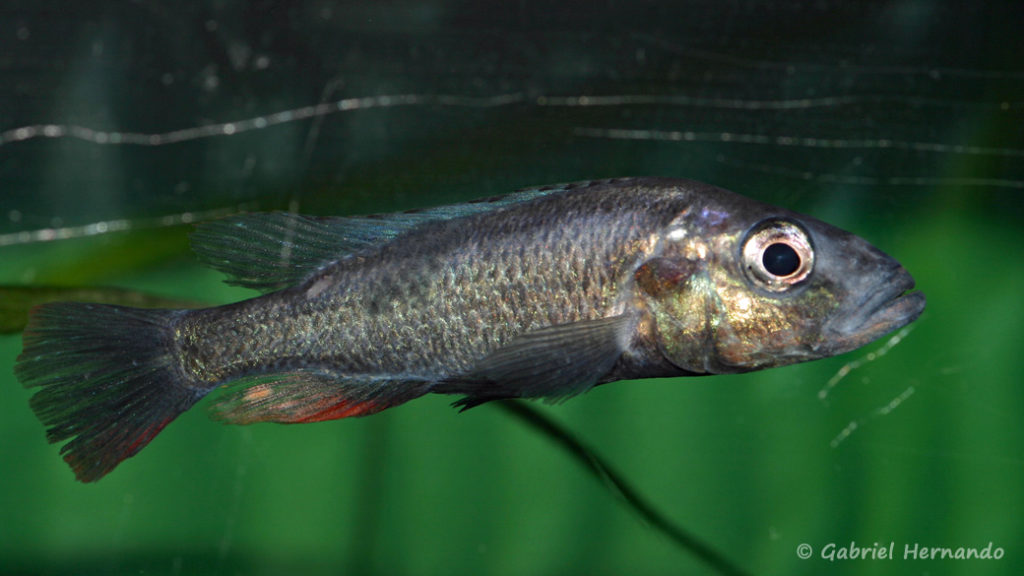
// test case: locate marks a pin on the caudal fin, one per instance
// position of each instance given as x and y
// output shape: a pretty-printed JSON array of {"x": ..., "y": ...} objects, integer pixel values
[{"x": 107, "y": 377}]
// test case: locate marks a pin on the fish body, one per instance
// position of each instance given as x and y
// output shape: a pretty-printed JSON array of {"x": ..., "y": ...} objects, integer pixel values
[{"x": 540, "y": 294}]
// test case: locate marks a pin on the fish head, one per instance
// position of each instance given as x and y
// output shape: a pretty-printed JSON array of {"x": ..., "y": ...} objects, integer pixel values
[{"x": 736, "y": 285}]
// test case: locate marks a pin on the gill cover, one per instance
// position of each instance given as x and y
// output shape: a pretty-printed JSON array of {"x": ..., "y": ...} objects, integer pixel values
[{"x": 680, "y": 297}]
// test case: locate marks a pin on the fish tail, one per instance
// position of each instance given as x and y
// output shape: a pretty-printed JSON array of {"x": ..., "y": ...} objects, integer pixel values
[{"x": 108, "y": 380}]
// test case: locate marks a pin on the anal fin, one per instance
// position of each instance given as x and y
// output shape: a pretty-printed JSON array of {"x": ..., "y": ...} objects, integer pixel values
[{"x": 304, "y": 396}]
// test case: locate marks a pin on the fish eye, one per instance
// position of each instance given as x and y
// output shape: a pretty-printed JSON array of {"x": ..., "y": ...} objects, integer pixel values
[
  {"x": 777, "y": 255},
  {"x": 780, "y": 259}
]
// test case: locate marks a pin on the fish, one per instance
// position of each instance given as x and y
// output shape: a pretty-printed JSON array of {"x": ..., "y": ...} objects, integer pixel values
[{"x": 542, "y": 294}]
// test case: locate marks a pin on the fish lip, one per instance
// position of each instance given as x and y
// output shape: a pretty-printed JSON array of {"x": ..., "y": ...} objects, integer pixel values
[{"x": 880, "y": 312}]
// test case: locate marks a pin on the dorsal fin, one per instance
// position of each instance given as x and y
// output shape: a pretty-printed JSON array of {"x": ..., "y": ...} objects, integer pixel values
[{"x": 272, "y": 250}]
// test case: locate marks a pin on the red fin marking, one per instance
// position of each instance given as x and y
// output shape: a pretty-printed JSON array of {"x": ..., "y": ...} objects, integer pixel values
[
  {"x": 343, "y": 409},
  {"x": 308, "y": 396}
]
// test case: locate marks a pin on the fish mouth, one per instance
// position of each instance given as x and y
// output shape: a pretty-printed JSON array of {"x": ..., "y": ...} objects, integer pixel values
[{"x": 892, "y": 306}]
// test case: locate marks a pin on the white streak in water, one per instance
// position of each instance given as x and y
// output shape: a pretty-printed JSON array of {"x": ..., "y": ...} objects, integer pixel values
[
  {"x": 883, "y": 410},
  {"x": 855, "y": 364},
  {"x": 118, "y": 225}
]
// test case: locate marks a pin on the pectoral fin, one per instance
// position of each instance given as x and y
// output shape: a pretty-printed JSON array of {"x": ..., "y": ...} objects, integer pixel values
[
  {"x": 310, "y": 396},
  {"x": 555, "y": 362}
]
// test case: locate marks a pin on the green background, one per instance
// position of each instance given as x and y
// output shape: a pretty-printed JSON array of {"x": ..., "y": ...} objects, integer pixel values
[{"x": 899, "y": 121}]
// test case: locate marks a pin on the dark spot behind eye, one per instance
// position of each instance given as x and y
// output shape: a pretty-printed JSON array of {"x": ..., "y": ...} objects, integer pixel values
[{"x": 780, "y": 259}]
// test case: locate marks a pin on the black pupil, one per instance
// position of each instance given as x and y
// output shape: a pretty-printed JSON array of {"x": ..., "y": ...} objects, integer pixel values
[{"x": 780, "y": 259}]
